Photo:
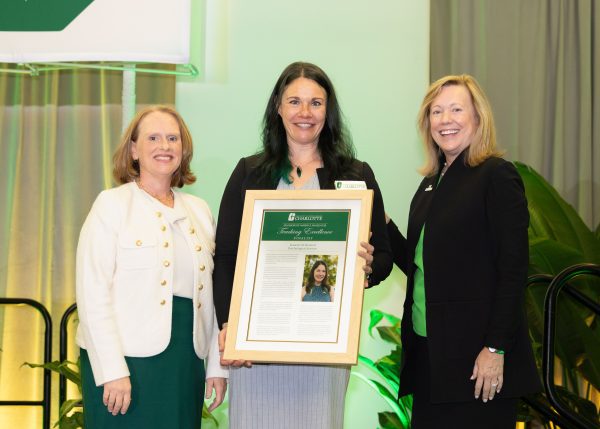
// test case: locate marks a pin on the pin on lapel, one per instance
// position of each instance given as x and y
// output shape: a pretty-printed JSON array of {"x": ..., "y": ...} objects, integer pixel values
[{"x": 429, "y": 188}]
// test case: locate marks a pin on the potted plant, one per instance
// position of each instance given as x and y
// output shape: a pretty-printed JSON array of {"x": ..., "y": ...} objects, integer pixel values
[
  {"x": 386, "y": 370},
  {"x": 558, "y": 238}
]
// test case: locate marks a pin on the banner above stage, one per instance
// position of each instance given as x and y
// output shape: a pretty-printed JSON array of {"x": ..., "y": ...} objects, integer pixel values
[{"x": 95, "y": 30}]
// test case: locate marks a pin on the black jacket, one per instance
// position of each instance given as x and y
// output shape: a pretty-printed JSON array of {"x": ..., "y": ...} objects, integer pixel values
[
  {"x": 245, "y": 177},
  {"x": 475, "y": 256}
]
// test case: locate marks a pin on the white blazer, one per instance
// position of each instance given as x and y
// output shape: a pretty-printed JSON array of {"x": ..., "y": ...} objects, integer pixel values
[{"x": 124, "y": 280}]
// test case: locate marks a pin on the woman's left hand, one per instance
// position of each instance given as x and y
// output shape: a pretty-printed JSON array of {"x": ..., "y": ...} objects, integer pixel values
[
  {"x": 488, "y": 373},
  {"x": 367, "y": 255},
  {"x": 219, "y": 384}
]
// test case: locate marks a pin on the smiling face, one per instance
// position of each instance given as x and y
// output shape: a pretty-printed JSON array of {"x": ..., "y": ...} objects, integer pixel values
[
  {"x": 158, "y": 147},
  {"x": 453, "y": 120},
  {"x": 320, "y": 273},
  {"x": 303, "y": 110}
]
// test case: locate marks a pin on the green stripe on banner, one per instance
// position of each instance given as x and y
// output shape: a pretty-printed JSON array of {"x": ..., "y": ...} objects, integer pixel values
[
  {"x": 40, "y": 15},
  {"x": 299, "y": 225}
]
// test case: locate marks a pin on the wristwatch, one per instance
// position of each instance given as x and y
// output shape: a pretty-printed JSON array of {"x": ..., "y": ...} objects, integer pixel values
[{"x": 493, "y": 350}]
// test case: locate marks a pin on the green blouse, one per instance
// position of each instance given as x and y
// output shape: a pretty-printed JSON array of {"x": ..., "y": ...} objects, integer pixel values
[
  {"x": 419, "y": 320},
  {"x": 418, "y": 307}
]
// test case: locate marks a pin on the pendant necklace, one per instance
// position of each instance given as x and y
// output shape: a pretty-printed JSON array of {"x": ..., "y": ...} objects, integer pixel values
[{"x": 298, "y": 168}]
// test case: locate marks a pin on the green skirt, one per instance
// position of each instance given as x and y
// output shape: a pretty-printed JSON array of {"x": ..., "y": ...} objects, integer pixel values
[{"x": 167, "y": 390}]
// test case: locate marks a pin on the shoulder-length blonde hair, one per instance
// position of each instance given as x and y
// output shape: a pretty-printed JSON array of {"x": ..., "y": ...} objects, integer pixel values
[
  {"x": 483, "y": 145},
  {"x": 126, "y": 169}
]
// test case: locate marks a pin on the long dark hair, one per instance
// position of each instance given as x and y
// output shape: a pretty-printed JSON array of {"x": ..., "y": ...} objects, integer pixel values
[
  {"x": 311, "y": 277},
  {"x": 335, "y": 145}
]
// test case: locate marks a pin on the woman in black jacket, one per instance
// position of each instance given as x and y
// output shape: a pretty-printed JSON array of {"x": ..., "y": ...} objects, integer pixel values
[
  {"x": 464, "y": 329},
  {"x": 304, "y": 147}
]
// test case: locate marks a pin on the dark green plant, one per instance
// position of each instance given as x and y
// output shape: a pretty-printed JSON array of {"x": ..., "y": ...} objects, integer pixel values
[
  {"x": 386, "y": 370},
  {"x": 70, "y": 415},
  {"x": 558, "y": 238}
]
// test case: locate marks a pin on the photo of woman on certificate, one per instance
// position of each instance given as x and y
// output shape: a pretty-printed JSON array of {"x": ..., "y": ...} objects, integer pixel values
[{"x": 319, "y": 285}]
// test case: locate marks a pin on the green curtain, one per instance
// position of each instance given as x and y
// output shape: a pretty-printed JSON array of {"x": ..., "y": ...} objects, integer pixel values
[
  {"x": 57, "y": 134},
  {"x": 539, "y": 63}
]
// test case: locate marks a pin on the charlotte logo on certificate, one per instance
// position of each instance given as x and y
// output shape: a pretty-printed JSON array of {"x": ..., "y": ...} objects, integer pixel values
[{"x": 299, "y": 270}]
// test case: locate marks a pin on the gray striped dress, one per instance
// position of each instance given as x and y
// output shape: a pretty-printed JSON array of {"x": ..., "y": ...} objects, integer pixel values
[{"x": 275, "y": 396}]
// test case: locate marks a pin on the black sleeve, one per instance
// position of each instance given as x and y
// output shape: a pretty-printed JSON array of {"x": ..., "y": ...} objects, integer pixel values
[
  {"x": 398, "y": 244},
  {"x": 382, "y": 256},
  {"x": 227, "y": 238},
  {"x": 508, "y": 220}
]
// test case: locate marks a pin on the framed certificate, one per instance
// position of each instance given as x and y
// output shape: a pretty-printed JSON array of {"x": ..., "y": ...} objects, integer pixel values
[{"x": 298, "y": 286}]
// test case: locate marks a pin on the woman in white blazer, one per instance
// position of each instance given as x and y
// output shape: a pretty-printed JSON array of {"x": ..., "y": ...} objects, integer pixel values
[{"x": 144, "y": 287}]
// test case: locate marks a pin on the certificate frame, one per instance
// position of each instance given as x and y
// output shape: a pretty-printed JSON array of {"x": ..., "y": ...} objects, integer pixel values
[{"x": 283, "y": 234}]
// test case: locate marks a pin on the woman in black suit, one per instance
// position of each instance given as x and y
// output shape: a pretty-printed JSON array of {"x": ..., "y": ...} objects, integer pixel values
[
  {"x": 305, "y": 146},
  {"x": 464, "y": 329}
]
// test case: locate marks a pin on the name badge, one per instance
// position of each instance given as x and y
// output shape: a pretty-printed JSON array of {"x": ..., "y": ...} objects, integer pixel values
[{"x": 350, "y": 184}]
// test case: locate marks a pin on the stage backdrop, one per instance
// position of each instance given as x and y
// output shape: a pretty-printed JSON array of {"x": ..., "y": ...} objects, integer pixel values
[{"x": 95, "y": 30}]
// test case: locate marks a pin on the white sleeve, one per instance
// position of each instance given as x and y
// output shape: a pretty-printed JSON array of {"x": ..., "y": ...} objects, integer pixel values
[
  {"x": 96, "y": 256},
  {"x": 213, "y": 359}
]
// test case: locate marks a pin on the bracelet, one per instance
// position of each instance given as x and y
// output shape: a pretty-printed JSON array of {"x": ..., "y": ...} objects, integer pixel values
[{"x": 497, "y": 351}]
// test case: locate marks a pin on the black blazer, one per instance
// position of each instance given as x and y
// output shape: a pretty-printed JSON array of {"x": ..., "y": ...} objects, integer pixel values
[
  {"x": 245, "y": 177},
  {"x": 475, "y": 255}
]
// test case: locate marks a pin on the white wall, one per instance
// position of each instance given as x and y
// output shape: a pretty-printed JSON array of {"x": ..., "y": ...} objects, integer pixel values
[{"x": 376, "y": 54}]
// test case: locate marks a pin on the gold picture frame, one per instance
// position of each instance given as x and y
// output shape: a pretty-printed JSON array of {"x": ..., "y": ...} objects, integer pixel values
[{"x": 299, "y": 283}]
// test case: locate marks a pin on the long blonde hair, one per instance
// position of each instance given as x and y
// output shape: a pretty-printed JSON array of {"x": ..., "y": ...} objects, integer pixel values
[{"x": 483, "y": 145}]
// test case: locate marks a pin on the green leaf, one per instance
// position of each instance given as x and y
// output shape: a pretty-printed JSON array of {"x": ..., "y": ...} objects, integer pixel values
[
  {"x": 590, "y": 367},
  {"x": 390, "y": 334},
  {"x": 553, "y": 218},
  {"x": 581, "y": 406},
  {"x": 398, "y": 408},
  {"x": 389, "y": 420},
  {"x": 390, "y": 397},
  {"x": 377, "y": 316},
  {"x": 569, "y": 342},
  {"x": 67, "y": 406},
  {"x": 61, "y": 368},
  {"x": 74, "y": 421},
  {"x": 547, "y": 256},
  {"x": 391, "y": 381},
  {"x": 389, "y": 367},
  {"x": 558, "y": 238},
  {"x": 534, "y": 298},
  {"x": 208, "y": 415},
  {"x": 406, "y": 403}
]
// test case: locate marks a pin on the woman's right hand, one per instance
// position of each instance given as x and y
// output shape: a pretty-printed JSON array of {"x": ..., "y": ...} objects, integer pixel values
[
  {"x": 117, "y": 395},
  {"x": 226, "y": 362}
]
